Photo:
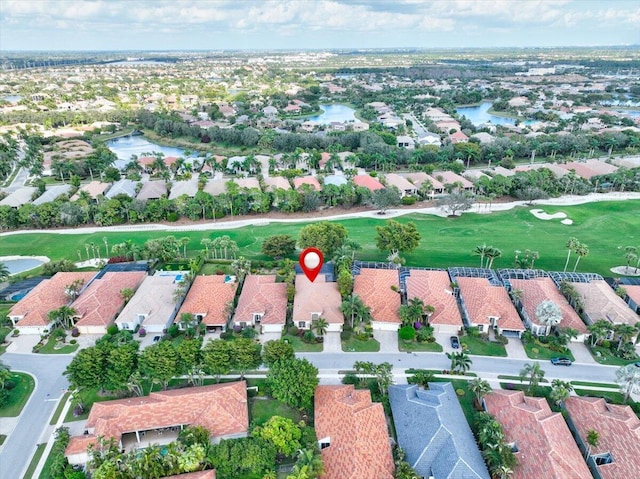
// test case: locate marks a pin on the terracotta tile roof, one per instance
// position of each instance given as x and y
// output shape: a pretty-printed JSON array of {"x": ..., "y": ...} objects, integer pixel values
[
  {"x": 601, "y": 302},
  {"x": 434, "y": 288},
  {"x": 545, "y": 445},
  {"x": 374, "y": 288},
  {"x": 94, "y": 188},
  {"x": 590, "y": 168},
  {"x": 249, "y": 183},
  {"x": 399, "y": 182},
  {"x": 101, "y": 301},
  {"x": 210, "y": 474},
  {"x": 368, "y": 182},
  {"x": 79, "y": 444},
  {"x": 220, "y": 408},
  {"x": 261, "y": 294},
  {"x": 449, "y": 178},
  {"x": 483, "y": 300},
  {"x": 274, "y": 182},
  {"x": 619, "y": 430},
  {"x": 47, "y": 296},
  {"x": 307, "y": 180},
  {"x": 633, "y": 291},
  {"x": 209, "y": 296},
  {"x": 317, "y": 297},
  {"x": 535, "y": 291},
  {"x": 357, "y": 430}
]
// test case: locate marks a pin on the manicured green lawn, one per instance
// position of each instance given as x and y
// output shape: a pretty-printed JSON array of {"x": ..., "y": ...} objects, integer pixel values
[
  {"x": 302, "y": 347},
  {"x": 466, "y": 401},
  {"x": 483, "y": 348},
  {"x": 599, "y": 385},
  {"x": 516, "y": 378},
  {"x": 262, "y": 408},
  {"x": 607, "y": 358},
  {"x": 614, "y": 397},
  {"x": 56, "y": 415},
  {"x": 34, "y": 462},
  {"x": 416, "y": 346},
  {"x": 89, "y": 397},
  {"x": 2, "y": 439},
  {"x": 446, "y": 241},
  {"x": 19, "y": 395},
  {"x": 354, "y": 345},
  {"x": 50, "y": 348},
  {"x": 540, "y": 351}
]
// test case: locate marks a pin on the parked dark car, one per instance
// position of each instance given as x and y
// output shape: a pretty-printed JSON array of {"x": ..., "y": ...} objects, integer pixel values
[
  {"x": 455, "y": 342},
  {"x": 156, "y": 339},
  {"x": 561, "y": 361}
]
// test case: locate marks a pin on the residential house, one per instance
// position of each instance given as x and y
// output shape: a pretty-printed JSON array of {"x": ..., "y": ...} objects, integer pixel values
[
  {"x": 307, "y": 180},
  {"x": 208, "y": 474},
  {"x": 248, "y": 183},
  {"x": 93, "y": 189},
  {"x": 20, "y": 197},
  {"x": 216, "y": 187},
  {"x": 139, "y": 422},
  {"x": 368, "y": 182},
  {"x": 352, "y": 434},
  {"x": 379, "y": 289},
  {"x": 540, "y": 439},
  {"x": 185, "y": 187},
  {"x": 599, "y": 301},
  {"x": 122, "y": 187},
  {"x": 404, "y": 141},
  {"x": 589, "y": 168},
  {"x": 535, "y": 291},
  {"x": 209, "y": 300},
  {"x": 617, "y": 454},
  {"x": 335, "y": 180},
  {"x": 270, "y": 111},
  {"x": 406, "y": 188},
  {"x": 488, "y": 306},
  {"x": 484, "y": 138},
  {"x": 553, "y": 168},
  {"x": 51, "y": 194},
  {"x": 419, "y": 178},
  {"x": 102, "y": 300},
  {"x": 434, "y": 289},
  {"x": 633, "y": 297},
  {"x": 152, "y": 307},
  {"x": 453, "y": 179},
  {"x": 152, "y": 190},
  {"x": 272, "y": 183},
  {"x": 262, "y": 302},
  {"x": 315, "y": 300},
  {"x": 433, "y": 432},
  {"x": 29, "y": 315},
  {"x": 429, "y": 138},
  {"x": 458, "y": 137}
]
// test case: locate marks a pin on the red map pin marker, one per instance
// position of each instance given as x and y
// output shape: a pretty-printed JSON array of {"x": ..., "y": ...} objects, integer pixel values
[{"x": 311, "y": 260}]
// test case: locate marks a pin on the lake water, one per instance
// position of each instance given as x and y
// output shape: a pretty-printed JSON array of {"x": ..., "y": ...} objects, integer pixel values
[
  {"x": 126, "y": 146},
  {"x": 480, "y": 114},
  {"x": 20, "y": 265},
  {"x": 12, "y": 98},
  {"x": 632, "y": 113},
  {"x": 335, "y": 112}
]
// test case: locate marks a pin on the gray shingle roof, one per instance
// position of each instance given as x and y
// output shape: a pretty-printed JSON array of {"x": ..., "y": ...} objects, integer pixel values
[
  {"x": 52, "y": 193},
  {"x": 434, "y": 432},
  {"x": 122, "y": 187}
]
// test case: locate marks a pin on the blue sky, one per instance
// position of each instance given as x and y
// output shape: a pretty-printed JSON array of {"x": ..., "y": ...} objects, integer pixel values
[{"x": 295, "y": 24}]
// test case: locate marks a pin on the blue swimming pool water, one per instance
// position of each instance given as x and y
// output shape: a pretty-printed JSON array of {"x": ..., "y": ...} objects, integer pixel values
[{"x": 18, "y": 296}]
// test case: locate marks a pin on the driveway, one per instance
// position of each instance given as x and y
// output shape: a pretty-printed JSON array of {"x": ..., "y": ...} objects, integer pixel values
[
  {"x": 515, "y": 349},
  {"x": 581, "y": 353},
  {"x": 388, "y": 340},
  {"x": 332, "y": 343}
]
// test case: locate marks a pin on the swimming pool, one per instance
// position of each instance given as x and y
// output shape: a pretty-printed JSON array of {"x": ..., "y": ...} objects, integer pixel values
[{"x": 19, "y": 295}]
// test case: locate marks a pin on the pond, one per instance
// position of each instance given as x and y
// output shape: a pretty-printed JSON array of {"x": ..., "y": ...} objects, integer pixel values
[
  {"x": 480, "y": 114},
  {"x": 12, "y": 98},
  {"x": 126, "y": 146},
  {"x": 20, "y": 264},
  {"x": 334, "y": 112}
]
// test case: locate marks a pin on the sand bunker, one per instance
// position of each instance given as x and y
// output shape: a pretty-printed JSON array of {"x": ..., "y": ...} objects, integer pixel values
[
  {"x": 567, "y": 221},
  {"x": 541, "y": 215}
]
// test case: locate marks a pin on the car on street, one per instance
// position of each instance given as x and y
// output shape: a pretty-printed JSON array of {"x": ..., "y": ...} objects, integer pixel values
[
  {"x": 637, "y": 365},
  {"x": 561, "y": 361},
  {"x": 455, "y": 342}
]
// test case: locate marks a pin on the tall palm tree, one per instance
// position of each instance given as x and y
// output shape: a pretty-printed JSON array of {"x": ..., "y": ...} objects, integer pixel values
[
  {"x": 4, "y": 272},
  {"x": 593, "y": 438},
  {"x": 533, "y": 372},
  {"x": 460, "y": 361},
  {"x": 184, "y": 242},
  {"x": 581, "y": 250},
  {"x": 560, "y": 391},
  {"x": 320, "y": 326},
  {"x": 624, "y": 332},
  {"x": 549, "y": 314},
  {"x": 571, "y": 245},
  {"x": 480, "y": 387},
  {"x": 63, "y": 315},
  {"x": 492, "y": 254},
  {"x": 311, "y": 459},
  {"x": 481, "y": 251}
]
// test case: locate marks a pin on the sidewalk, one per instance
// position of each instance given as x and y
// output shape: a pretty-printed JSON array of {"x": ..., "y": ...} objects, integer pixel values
[{"x": 49, "y": 434}]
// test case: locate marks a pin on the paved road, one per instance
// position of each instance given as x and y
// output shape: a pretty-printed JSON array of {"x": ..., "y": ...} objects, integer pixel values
[
  {"x": 481, "y": 364},
  {"x": 19, "y": 181},
  {"x": 21, "y": 443}
]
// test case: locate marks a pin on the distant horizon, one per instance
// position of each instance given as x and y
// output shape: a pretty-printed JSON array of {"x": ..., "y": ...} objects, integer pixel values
[{"x": 241, "y": 25}]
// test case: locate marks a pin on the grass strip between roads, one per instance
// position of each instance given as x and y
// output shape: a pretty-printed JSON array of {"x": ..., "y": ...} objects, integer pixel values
[
  {"x": 19, "y": 395},
  {"x": 61, "y": 403},
  {"x": 35, "y": 459}
]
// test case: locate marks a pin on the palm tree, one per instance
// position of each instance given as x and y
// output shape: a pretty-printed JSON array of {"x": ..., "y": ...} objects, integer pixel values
[
  {"x": 206, "y": 242},
  {"x": 320, "y": 326},
  {"x": 628, "y": 377},
  {"x": 492, "y": 254},
  {"x": 4, "y": 272},
  {"x": 571, "y": 245},
  {"x": 533, "y": 372},
  {"x": 311, "y": 459},
  {"x": 184, "y": 241},
  {"x": 549, "y": 314},
  {"x": 63, "y": 315},
  {"x": 460, "y": 361},
  {"x": 624, "y": 332},
  {"x": 354, "y": 308},
  {"x": 480, "y": 387},
  {"x": 126, "y": 294},
  {"x": 593, "y": 438},
  {"x": 581, "y": 250},
  {"x": 560, "y": 391},
  {"x": 481, "y": 251}
]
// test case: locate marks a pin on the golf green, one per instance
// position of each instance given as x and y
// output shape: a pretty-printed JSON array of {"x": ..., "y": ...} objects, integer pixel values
[{"x": 605, "y": 227}]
